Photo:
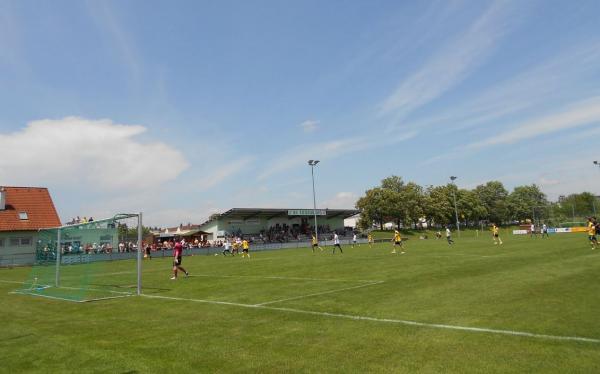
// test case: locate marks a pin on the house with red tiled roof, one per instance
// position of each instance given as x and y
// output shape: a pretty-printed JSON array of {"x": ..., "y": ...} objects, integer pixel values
[{"x": 23, "y": 211}]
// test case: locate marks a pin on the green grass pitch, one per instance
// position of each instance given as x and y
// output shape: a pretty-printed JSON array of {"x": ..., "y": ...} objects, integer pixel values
[{"x": 530, "y": 305}]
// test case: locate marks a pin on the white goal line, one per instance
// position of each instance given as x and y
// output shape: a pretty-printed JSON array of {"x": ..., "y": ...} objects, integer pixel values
[{"x": 386, "y": 320}]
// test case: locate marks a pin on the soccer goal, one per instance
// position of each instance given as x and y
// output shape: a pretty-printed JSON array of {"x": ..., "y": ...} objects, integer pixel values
[{"x": 88, "y": 261}]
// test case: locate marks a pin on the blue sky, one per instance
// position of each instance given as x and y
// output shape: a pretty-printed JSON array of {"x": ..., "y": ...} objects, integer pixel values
[{"x": 181, "y": 109}]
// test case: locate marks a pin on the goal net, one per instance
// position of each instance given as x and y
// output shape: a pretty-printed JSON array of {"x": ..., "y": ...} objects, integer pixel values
[{"x": 88, "y": 261}]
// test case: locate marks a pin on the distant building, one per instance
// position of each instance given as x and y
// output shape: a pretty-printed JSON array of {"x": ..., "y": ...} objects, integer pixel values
[
  {"x": 23, "y": 211},
  {"x": 274, "y": 224},
  {"x": 188, "y": 232}
]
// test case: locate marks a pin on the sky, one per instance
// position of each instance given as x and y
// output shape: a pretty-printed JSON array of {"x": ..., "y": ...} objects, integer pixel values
[{"x": 183, "y": 109}]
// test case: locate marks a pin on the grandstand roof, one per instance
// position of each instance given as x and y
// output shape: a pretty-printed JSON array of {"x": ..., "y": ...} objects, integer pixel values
[
  {"x": 28, "y": 208},
  {"x": 269, "y": 213}
]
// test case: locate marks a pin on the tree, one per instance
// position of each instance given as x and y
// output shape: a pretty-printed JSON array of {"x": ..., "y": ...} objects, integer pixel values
[
  {"x": 438, "y": 207},
  {"x": 375, "y": 206},
  {"x": 493, "y": 196},
  {"x": 527, "y": 202},
  {"x": 412, "y": 201},
  {"x": 393, "y": 183},
  {"x": 470, "y": 207},
  {"x": 578, "y": 206}
]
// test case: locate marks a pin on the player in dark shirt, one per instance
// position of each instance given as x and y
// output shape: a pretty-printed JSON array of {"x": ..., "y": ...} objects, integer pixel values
[{"x": 177, "y": 252}]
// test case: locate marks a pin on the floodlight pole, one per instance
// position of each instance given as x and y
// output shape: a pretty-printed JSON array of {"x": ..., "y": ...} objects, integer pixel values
[
  {"x": 58, "y": 253},
  {"x": 452, "y": 178},
  {"x": 139, "y": 255},
  {"x": 312, "y": 164}
]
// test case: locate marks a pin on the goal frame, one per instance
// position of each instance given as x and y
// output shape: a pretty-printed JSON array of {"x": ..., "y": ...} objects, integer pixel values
[{"x": 114, "y": 218}]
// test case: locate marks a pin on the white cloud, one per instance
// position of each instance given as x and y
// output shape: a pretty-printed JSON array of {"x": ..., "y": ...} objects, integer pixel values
[
  {"x": 450, "y": 66},
  {"x": 89, "y": 154},
  {"x": 576, "y": 115},
  {"x": 341, "y": 200},
  {"x": 543, "y": 181},
  {"x": 224, "y": 171},
  {"x": 553, "y": 80},
  {"x": 119, "y": 38},
  {"x": 298, "y": 156},
  {"x": 309, "y": 126}
]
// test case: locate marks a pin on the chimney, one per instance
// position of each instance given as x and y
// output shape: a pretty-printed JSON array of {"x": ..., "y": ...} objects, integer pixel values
[{"x": 2, "y": 198}]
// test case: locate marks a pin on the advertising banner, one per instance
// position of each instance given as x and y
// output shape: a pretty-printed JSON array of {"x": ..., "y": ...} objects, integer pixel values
[{"x": 307, "y": 212}]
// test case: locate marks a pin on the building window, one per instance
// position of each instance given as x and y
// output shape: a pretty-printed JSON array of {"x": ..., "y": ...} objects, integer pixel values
[
  {"x": 21, "y": 242},
  {"x": 1, "y": 242},
  {"x": 23, "y": 216}
]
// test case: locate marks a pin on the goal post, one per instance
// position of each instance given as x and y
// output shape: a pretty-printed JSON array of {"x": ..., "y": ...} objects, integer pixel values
[{"x": 89, "y": 261}]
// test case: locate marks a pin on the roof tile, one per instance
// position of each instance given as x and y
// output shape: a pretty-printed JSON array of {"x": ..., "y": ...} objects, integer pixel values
[{"x": 34, "y": 201}]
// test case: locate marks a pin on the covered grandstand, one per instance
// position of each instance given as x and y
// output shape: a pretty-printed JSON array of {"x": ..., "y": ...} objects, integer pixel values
[{"x": 274, "y": 225}]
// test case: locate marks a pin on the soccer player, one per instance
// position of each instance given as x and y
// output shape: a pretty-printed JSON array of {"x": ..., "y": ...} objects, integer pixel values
[
  {"x": 354, "y": 241},
  {"x": 545, "y": 231},
  {"x": 592, "y": 232},
  {"x": 533, "y": 232},
  {"x": 496, "y": 234},
  {"x": 177, "y": 252},
  {"x": 397, "y": 241},
  {"x": 226, "y": 246},
  {"x": 449, "y": 236},
  {"x": 315, "y": 244},
  {"x": 148, "y": 249},
  {"x": 370, "y": 239},
  {"x": 336, "y": 242},
  {"x": 245, "y": 248}
]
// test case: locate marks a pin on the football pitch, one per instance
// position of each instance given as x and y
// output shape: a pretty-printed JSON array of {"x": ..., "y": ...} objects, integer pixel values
[{"x": 530, "y": 305}]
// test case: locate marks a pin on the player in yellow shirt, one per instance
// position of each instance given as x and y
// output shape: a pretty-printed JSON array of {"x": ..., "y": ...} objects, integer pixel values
[
  {"x": 245, "y": 248},
  {"x": 496, "y": 234},
  {"x": 370, "y": 239},
  {"x": 397, "y": 241},
  {"x": 592, "y": 232},
  {"x": 315, "y": 244}
]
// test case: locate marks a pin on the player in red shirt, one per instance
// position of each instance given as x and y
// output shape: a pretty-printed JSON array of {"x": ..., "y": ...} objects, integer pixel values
[{"x": 177, "y": 252}]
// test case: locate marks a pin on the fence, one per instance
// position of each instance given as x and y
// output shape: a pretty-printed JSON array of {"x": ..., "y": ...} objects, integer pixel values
[{"x": 79, "y": 258}]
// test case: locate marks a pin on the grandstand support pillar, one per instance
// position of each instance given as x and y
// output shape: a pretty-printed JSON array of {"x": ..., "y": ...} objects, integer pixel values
[
  {"x": 139, "y": 255},
  {"x": 58, "y": 255}
]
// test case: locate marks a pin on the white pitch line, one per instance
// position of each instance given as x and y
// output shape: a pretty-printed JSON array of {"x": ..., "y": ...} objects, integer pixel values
[
  {"x": 46, "y": 296},
  {"x": 282, "y": 278},
  {"x": 72, "y": 288},
  {"x": 319, "y": 293},
  {"x": 387, "y": 320}
]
